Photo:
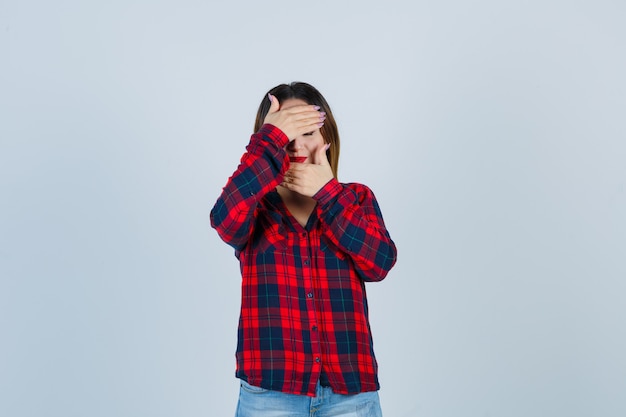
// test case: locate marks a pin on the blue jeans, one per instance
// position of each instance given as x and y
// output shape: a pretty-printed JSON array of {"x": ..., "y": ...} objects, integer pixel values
[{"x": 259, "y": 402}]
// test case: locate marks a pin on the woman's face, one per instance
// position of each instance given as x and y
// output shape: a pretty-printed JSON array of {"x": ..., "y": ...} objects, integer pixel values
[{"x": 303, "y": 147}]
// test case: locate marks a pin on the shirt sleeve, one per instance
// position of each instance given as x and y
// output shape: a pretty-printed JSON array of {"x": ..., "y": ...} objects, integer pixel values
[
  {"x": 354, "y": 223},
  {"x": 260, "y": 170}
]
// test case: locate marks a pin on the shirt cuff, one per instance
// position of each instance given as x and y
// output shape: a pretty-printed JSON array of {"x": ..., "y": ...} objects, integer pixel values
[
  {"x": 328, "y": 192},
  {"x": 274, "y": 134}
]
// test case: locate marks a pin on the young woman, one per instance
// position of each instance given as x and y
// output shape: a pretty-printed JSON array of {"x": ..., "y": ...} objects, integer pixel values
[{"x": 306, "y": 244}]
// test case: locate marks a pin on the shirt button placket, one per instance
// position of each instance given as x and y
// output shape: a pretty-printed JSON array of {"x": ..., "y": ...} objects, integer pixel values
[{"x": 307, "y": 272}]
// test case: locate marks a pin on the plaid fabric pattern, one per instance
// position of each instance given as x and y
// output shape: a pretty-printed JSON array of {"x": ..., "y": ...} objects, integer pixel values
[{"x": 304, "y": 307}]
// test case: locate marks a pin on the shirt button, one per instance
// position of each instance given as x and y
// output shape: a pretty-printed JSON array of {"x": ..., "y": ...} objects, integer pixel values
[
  {"x": 303, "y": 234},
  {"x": 306, "y": 261},
  {"x": 310, "y": 295},
  {"x": 317, "y": 359},
  {"x": 314, "y": 328}
]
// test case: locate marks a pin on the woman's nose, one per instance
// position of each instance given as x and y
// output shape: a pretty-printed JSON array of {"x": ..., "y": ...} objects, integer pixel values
[{"x": 295, "y": 145}]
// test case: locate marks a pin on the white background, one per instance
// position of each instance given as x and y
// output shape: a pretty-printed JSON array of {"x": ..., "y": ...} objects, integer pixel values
[{"x": 492, "y": 133}]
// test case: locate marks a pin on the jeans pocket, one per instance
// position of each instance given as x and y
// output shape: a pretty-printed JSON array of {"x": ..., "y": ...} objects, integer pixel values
[{"x": 251, "y": 388}]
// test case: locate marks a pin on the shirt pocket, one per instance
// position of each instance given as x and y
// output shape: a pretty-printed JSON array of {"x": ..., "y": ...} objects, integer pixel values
[
  {"x": 330, "y": 250},
  {"x": 270, "y": 234}
]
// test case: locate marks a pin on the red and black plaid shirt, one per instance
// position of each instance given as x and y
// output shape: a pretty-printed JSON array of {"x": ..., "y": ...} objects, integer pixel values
[{"x": 304, "y": 310}]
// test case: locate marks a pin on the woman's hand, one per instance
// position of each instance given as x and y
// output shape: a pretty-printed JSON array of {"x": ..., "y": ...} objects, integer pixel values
[
  {"x": 308, "y": 179},
  {"x": 296, "y": 120}
]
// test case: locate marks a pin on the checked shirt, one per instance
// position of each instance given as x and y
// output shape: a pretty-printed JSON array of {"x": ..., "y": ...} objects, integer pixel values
[{"x": 304, "y": 313}]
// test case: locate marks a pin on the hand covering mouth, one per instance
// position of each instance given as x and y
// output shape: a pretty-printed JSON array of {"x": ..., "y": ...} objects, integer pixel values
[{"x": 299, "y": 159}]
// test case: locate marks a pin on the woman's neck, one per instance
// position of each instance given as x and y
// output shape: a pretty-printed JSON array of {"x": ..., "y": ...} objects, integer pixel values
[
  {"x": 299, "y": 206},
  {"x": 293, "y": 197}
]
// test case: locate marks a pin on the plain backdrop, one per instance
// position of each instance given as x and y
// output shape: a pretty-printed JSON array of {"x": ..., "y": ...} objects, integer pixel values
[{"x": 492, "y": 133}]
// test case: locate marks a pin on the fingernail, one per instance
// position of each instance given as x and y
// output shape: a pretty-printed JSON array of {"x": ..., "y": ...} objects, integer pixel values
[
  {"x": 323, "y": 113},
  {"x": 269, "y": 96},
  {"x": 322, "y": 118},
  {"x": 327, "y": 146},
  {"x": 316, "y": 107},
  {"x": 320, "y": 124}
]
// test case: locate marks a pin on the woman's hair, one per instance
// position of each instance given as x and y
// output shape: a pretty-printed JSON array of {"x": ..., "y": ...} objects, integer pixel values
[{"x": 310, "y": 95}]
